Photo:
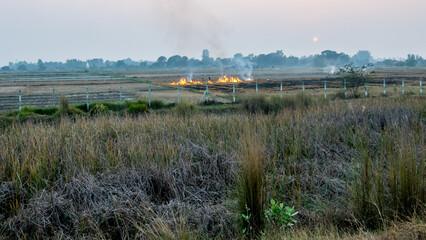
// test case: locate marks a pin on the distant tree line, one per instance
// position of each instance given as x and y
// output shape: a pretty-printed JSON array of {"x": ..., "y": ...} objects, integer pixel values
[{"x": 270, "y": 60}]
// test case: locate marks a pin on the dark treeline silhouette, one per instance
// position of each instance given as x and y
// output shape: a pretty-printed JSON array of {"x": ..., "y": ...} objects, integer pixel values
[{"x": 270, "y": 60}]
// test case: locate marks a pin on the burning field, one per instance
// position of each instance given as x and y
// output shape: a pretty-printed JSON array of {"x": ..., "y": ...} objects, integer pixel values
[
  {"x": 224, "y": 79},
  {"x": 37, "y": 88}
]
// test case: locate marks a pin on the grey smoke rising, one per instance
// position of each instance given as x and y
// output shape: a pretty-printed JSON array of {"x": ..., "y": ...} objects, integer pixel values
[
  {"x": 244, "y": 67},
  {"x": 190, "y": 75},
  {"x": 190, "y": 25}
]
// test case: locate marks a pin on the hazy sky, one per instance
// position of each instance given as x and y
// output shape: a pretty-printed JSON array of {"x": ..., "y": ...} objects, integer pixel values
[{"x": 56, "y": 30}]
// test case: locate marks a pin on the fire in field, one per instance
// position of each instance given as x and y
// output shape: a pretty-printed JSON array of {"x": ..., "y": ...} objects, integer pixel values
[{"x": 224, "y": 79}]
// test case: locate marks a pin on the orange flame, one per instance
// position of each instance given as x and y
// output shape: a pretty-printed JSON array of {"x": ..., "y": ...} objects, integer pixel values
[
  {"x": 184, "y": 81},
  {"x": 225, "y": 79}
]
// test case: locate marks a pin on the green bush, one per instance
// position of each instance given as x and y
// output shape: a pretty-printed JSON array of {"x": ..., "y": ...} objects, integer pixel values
[
  {"x": 114, "y": 107},
  {"x": 82, "y": 107},
  {"x": 29, "y": 111},
  {"x": 46, "y": 111},
  {"x": 157, "y": 104},
  {"x": 137, "y": 108},
  {"x": 128, "y": 103},
  {"x": 26, "y": 111},
  {"x": 66, "y": 110},
  {"x": 97, "y": 109}
]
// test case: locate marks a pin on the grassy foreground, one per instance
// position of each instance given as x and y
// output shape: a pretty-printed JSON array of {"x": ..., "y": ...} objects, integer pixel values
[{"x": 353, "y": 169}]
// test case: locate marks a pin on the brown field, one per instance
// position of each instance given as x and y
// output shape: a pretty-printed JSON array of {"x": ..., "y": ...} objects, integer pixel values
[{"x": 37, "y": 88}]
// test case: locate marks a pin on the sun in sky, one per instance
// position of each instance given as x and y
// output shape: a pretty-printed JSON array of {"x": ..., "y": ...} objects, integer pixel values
[{"x": 315, "y": 39}]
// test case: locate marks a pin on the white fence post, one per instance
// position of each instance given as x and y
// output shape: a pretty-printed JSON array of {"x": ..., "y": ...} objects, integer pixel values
[
  {"x": 20, "y": 103},
  {"x": 149, "y": 96},
  {"x": 87, "y": 98},
  {"x": 233, "y": 90}
]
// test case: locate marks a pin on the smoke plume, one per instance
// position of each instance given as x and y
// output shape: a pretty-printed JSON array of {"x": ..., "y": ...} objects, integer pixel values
[{"x": 190, "y": 24}]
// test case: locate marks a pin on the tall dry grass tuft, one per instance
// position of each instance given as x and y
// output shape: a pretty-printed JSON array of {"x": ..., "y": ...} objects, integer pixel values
[
  {"x": 256, "y": 104},
  {"x": 389, "y": 168},
  {"x": 251, "y": 187},
  {"x": 185, "y": 109},
  {"x": 407, "y": 179},
  {"x": 64, "y": 106}
]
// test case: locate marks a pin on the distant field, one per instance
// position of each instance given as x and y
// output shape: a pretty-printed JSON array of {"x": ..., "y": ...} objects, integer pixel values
[{"x": 36, "y": 88}]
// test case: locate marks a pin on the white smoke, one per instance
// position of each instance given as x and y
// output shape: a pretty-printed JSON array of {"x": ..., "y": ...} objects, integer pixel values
[
  {"x": 190, "y": 25},
  {"x": 244, "y": 67},
  {"x": 189, "y": 76}
]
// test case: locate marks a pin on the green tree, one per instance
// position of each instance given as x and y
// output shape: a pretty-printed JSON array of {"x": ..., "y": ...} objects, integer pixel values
[
  {"x": 5, "y": 68},
  {"x": 355, "y": 76},
  {"x": 41, "y": 66},
  {"x": 411, "y": 60},
  {"x": 22, "y": 67}
]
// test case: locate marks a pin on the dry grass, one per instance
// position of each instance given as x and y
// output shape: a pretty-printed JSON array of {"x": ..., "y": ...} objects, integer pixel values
[
  {"x": 412, "y": 229},
  {"x": 166, "y": 176},
  {"x": 251, "y": 183}
]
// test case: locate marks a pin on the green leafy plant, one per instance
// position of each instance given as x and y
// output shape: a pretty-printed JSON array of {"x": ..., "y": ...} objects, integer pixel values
[
  {"x": 278, "y": 214},
  {"x": 137, "y": 108},
  {"x": 157, "y": 104},
  {"x": 246, "y": 219}
]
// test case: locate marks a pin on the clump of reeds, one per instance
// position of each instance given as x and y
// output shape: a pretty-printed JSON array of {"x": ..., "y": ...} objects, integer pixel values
[
  {"x": 185, "y": 109},
  {"x": 274, "y": 104},
  {"x": 251, "y": 184}
]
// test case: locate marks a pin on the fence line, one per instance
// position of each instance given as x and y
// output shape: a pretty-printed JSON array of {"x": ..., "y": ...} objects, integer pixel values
[{"x": 233, "y": 92}]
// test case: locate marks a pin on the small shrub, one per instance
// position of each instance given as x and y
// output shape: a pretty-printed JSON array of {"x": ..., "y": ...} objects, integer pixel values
[
  {"x": 143, "y": 101},
  {"x": 115, "y": 107},
  {"x": 97, "y": 109},
  {"x": 83, "y": 107},
  {"x": 278, "y": 214},
  {"x": 157, "y": 104},
  {"x": 25, "y": 112},
  {"x": 355, "y": 77},
  {"x": 75, "y": 111},
  {"x": 137, "y": 108},
  {"x": 46, "y": 111},
  {"x": 127, "y": 103},
  {"x": 28, "y": 111}
]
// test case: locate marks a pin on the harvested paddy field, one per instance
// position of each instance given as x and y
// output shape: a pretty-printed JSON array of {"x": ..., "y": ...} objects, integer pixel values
[{"x": 37, "y": 88}]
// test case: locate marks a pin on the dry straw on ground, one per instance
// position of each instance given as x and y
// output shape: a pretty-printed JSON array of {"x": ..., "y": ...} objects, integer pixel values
[{"x": 350, "y": 165}]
